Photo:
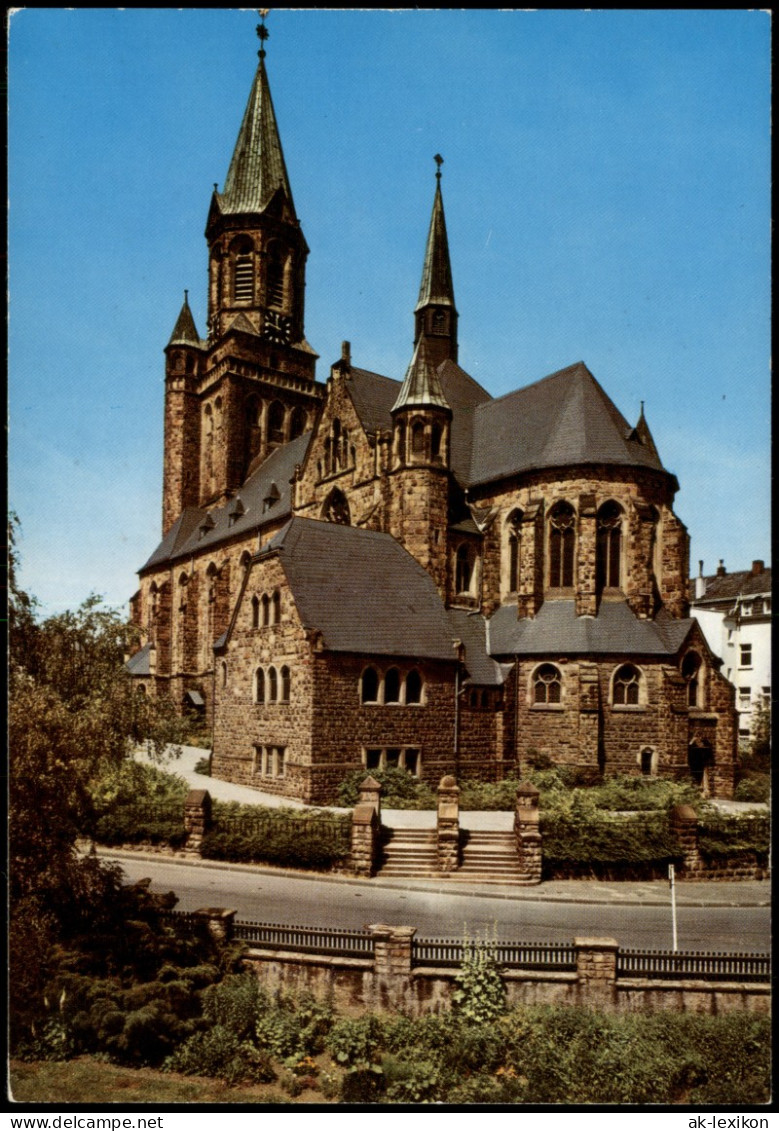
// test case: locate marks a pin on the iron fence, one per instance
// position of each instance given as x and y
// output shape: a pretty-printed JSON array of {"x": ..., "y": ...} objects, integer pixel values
[
  {"x": 512, "y": 955},
  {"x": 694, "y": 964},
  {"x": 344, "y": 942}
]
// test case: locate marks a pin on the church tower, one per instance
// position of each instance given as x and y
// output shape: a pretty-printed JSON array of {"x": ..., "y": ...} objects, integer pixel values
[
  {"x": 253, "y": 384},
  {"x": 421, "y": 414}
]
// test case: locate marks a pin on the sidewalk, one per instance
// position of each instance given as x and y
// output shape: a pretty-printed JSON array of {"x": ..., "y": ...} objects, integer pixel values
[{"x": 711, "y": 893}]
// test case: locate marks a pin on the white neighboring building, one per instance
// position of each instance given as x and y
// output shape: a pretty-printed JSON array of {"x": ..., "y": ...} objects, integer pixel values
[{"x": 734, "y": 612}]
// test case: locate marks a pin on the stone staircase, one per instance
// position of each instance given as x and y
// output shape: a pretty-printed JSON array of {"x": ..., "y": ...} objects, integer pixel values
[{"x": 487, "y": 857}]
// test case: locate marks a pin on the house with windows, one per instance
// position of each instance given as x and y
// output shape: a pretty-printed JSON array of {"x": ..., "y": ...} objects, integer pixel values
[
  {"x": 403, "y": 569},
  {"x": 734, "y": 612}
]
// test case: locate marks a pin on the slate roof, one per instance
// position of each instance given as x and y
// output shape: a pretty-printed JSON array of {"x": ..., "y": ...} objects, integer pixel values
[
  {"x": 556, "y": 630},
  {"x": 276, "y": 472},
  {"x": 373, "y": 397},
  {"x": 471, "y": 629},
  {"x": 730, "y": 586},
  {"x": 563, "y": 419},
  {"x": 185, "y": 331},
  {"x": 257, "y": 168},
  {"x": 138, "y": 664},
  {"x": 362, "y": 591},
  {"x": 421, "y": 385}
]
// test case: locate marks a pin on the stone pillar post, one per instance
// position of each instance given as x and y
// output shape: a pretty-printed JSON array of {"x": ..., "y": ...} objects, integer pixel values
[
  {"x": 596, "y": 969},
  {"x": 448, "y": 825},
  {"x": 197, "y": 818},
  {"x": 684, "y": 826},
  {"x": 529, "y": 841},
  {"x": 365, "y": 839},
  {"x": 586, "y": 580},
  {"x": 370, "y": 794},
  {"x": 218, "y": 922},
  {"x": 392, "y": 954}
]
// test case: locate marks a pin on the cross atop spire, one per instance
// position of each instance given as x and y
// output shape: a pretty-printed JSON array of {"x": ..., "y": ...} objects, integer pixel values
[
  {"x": 435, "y": 312},
  {"x": 262, "y": 31}
]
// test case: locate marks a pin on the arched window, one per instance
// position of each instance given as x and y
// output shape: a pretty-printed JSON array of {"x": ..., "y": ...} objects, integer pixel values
[
  {"x": 392, "y": 686},
  {"x": 413, "y": 687},
  {"x": 627, "y": 686},
  {"x": 297, "y": 423},
  {"x": 464, "y": 568},
  {"x": 401, "y": 436},
  {"x": 336, "y": 508},
  {"x": 276, "y": 423},
  {"x": 243, "y": 276},
  {"x": 369, "y": 686},
  {"x": 275, "y": 607},
  {"x": 275, "y": 277},
  {"x": 691, "y": 666},
  {"x": 436, "y": 437},
  {"x": 273, "y": 685},
  {"x": 265, "y": 609},
  {"x": 647, "y": 761},
  {"x": 514, "y": 525},
  {"x": 223, "y": 672},
  {"x": 255, "y": 611},
  {"x": 259, "y": 686},
  {"x": 562, "y": 541},
  {"x": 418, "y": 438},
  {"x": 285, "y": 684},
  {"x": 609, "y": 546},
  {"x": 547, "y": 685}
]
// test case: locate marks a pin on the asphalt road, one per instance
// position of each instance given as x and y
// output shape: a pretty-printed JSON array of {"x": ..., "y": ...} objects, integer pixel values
[{"x": 285, "y": 898}]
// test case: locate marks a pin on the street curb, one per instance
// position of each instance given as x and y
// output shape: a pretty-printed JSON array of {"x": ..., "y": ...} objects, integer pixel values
[{"x": 534, "y": 894}]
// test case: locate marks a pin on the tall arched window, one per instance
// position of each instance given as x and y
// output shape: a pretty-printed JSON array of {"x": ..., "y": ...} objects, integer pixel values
[
  {"x": 273, "y": 685},
  {"x": 418, "y": 438},
  {"x": 285, "y": 684},
  {"x": 336, "y": 508},
  {"x": 223, "y": 672},
  {"x": 627, "y": 686},
  {"x": 691, "y": 665},
  {"x": 562, "y": 542},
  {"x": 369, "y": 686},
  {"x": 276, "y": 423},
  {"x": 609, "y": 546},
  {"x": 436, "y": 437},
  {"x": 392, "y": 686},
  {"x": 514, "y": 525},
  {"x": 401, "y": 435},
  {"x": 265, "y": 603},
  {"x": 413, "y": 687},
  {"x": 465, "y": 568},
  {"x": 547, "y": 685},
  {"x": 259, "y": 686},
  {"x": 275, "y": 607},
  {"x": 275, "y": 277},
  {"x": 297, "y": 423},
  {"x": 255, "y": 611}
]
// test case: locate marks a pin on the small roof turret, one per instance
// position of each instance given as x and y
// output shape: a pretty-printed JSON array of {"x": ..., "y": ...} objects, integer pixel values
[
  {"x": 421, "y": 386},
  {"x": 185, "y": 332}
]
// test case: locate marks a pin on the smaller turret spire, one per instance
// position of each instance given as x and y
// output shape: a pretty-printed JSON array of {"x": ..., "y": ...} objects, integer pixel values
[
  {"x": 185, "y": 331},
  {"x": 421, "y": 386},
  {"x": 435, "y": 314}
]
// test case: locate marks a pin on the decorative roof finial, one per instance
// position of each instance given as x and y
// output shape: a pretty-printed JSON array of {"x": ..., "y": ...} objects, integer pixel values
[
  {"x": 262, "y": 31},
  {"x": 439, "y": 162}
]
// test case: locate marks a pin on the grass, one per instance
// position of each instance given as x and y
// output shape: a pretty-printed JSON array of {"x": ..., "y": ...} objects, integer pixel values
[{"x": 89, "y": 1081}]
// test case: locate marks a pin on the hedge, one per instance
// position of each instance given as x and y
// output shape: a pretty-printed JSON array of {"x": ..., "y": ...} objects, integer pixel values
[{"x": 292, "y": 838}]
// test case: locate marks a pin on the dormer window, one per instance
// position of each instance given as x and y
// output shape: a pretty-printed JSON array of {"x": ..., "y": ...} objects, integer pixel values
[
  {"x": 206, "y": 526},
  {"x": 271, "y": 498},
  {"x": 234, "y": 512}
]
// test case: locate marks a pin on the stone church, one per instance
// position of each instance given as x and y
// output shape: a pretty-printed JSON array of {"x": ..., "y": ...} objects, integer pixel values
[{"x": 379, "y": 572}]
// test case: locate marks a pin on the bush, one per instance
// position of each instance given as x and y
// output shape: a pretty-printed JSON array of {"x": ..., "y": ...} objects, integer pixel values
[
  {"x": 480, "y": 996},
  {"x": 355, "y": 1042},
  {"x": 481, "y": 795},
  {"x": 218, "y": 1052},
  {"x": 135, "y": 802},
  {"x": 288, "y": 837},
  {"x": 584, "y": 839},
  {"x": 203, "y": 766},
  {"x": 400, "y": 789},
  {"x": 724, "y": 835},
  {"x": 755, "y": 787}
]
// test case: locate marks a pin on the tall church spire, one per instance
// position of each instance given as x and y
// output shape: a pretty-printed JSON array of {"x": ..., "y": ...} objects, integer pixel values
[
  {"x": 435, "y": 312},
  {"x": 257, "y": 169}
]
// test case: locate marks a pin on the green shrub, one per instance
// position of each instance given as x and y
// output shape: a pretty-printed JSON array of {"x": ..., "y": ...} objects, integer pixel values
[
  {"x": 135, "y": 802},
  {"x": 756, "y": 787},
  {"x": 720, "y": 834},
  {"x": 288, "y": 837},
  {"x": 400, "y": 789},
  {"x": 218, "y": 1052},
  {"x": 355, "y": 1042},
  {"x": 363, "y": 1084},
  {"x": 203, "y": 766},
  {"x": 480, "y": 996},
  {"x": 411, "y": 1081},
  {"x": 481, "y": 795},
  {"x": 584, "y": 839},
  {"x": 236, "y": 1003}
]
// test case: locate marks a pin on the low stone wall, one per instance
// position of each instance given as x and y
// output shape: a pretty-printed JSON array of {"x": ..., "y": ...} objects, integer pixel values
[{"x": 388, "y": 980}]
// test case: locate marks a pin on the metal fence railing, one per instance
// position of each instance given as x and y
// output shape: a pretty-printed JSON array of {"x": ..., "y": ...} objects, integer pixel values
[
  {"x": 694, "y": 964},
  {"x": 344, "y": 942},
  {"x": 516, "y": 955}
]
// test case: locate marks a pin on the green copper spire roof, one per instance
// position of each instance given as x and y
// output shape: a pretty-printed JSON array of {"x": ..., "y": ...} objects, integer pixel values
[
  {"x": 185, "y": 331},
  {"x": 257, "y": 168},
  {"x": 437, "y": 286},
  {"x": 421, "y": 386}
]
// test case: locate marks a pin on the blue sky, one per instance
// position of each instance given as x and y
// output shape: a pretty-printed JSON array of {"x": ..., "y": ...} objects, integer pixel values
[{"x": 606, "y": 184}]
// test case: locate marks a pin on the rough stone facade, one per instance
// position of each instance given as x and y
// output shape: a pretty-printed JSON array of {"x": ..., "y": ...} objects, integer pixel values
[{"x": 543, "y": 516}]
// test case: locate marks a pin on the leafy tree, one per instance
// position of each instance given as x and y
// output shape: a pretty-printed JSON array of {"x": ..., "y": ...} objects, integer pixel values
[{"x": 72, "y": 711}]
